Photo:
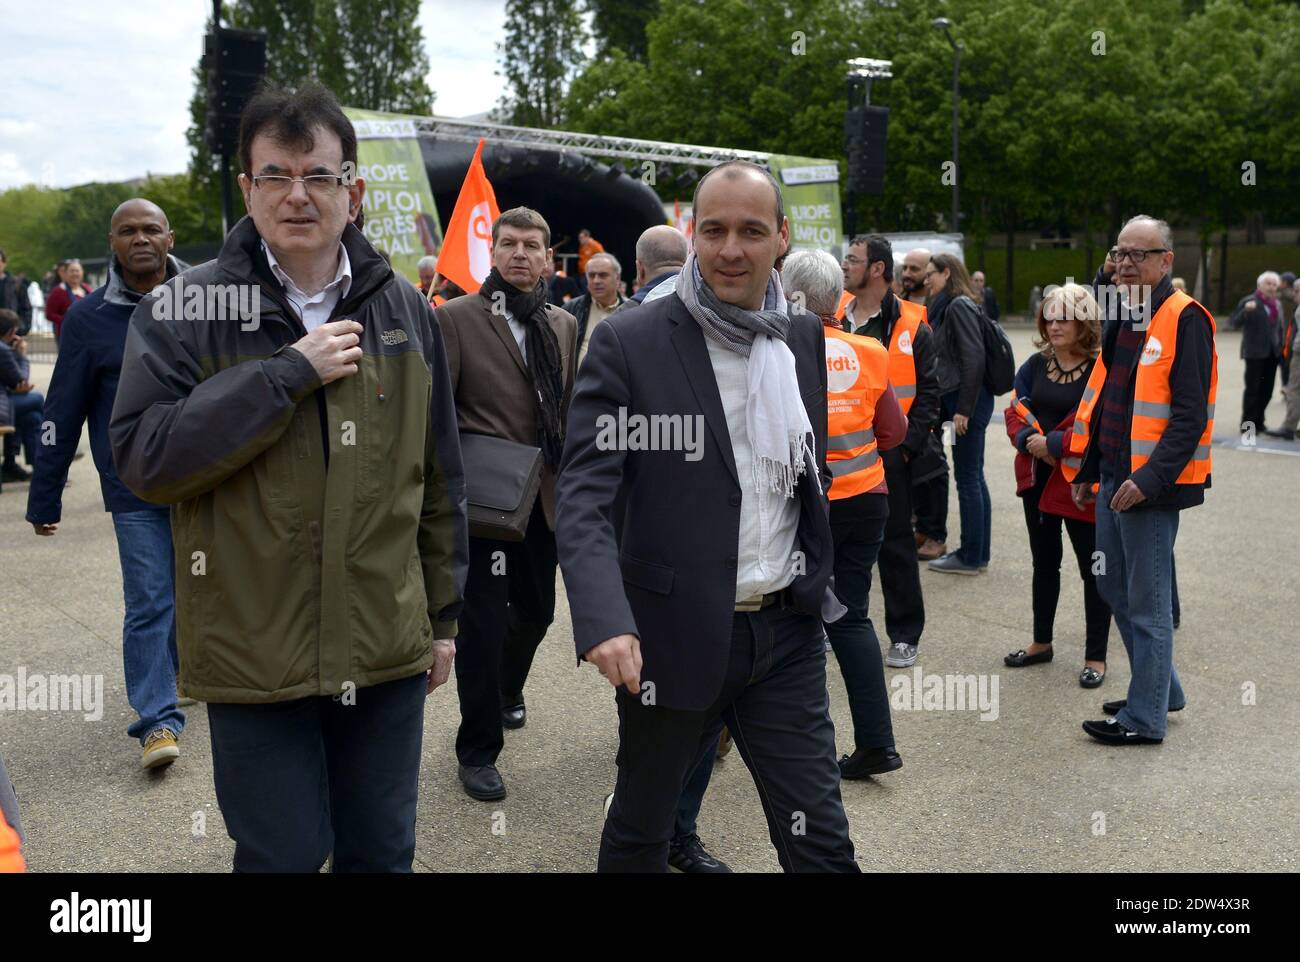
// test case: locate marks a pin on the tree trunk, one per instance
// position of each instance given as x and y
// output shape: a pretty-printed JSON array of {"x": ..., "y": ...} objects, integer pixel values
[
  {"x": 1011, "y": 263},
  {"x": 1222, "y": 300}
]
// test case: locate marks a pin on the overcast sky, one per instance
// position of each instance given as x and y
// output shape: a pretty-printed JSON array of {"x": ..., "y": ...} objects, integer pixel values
[{"x": 100, "y": 89}]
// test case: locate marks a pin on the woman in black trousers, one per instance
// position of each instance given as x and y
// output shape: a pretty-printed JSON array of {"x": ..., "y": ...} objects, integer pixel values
[{"x": 1048, "y": 389}]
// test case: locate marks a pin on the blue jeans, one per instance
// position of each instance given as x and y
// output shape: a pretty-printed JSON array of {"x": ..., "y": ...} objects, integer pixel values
[
  {"x": 144, "y": 546},
  {"x": 1137, "y": 548},
  {"x": 973, "y": 503},
  {"x": 28, "y": 413}
]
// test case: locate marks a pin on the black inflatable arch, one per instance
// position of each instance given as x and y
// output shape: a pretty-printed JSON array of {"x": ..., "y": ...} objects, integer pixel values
[{"x": 571, "y": 191}]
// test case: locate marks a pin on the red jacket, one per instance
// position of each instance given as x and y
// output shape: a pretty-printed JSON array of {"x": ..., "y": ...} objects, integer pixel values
[
  {"x": 1056, "y": 497},
  {"x": 58, "y": 303}
]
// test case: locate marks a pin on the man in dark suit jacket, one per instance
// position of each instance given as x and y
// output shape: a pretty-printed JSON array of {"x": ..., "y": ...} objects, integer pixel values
[
  {"x": 697, "y": 561},
  {"x": 512, "y": 377}
]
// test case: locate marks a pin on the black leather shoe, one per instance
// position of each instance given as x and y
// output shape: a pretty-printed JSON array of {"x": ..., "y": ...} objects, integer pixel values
[
  {"x": 514, "y": 716},
  {"x": 1113, "y": 707},
  {"x": 482, "y": 782},
  {"x": 1091, "y": 678},
  {"x": 1018, "y": 659},
  {"x": 871, "y": 761},
  {"x": 690, "y": 857},
  {"x": 1111, "y": 732},
  {"x": 16, "y": 473}
]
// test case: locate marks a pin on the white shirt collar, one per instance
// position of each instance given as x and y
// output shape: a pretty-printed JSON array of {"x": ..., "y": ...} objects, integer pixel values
[{"x": 342, "y": 275}]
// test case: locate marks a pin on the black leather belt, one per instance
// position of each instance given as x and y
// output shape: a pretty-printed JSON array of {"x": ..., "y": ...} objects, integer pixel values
[{"x": 783, "y": 599}]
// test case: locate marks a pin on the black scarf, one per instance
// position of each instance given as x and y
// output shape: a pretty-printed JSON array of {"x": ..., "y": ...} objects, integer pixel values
[{"x": 542, "y": 348}]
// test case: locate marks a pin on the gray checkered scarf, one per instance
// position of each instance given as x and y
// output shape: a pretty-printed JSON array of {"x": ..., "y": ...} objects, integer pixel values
[{"x": 775, "y": 418}]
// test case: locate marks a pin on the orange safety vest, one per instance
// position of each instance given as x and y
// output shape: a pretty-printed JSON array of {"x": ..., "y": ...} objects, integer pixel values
[
  {"x": 857, "y": 373},
  {"x": 1152, "y": 397},
  {"x": 11, "y": 858},
  {"x": 902, "y": 366}
]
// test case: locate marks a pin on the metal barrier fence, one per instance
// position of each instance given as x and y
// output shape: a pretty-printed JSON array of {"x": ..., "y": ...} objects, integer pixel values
[{"x": 41, "y": 347}]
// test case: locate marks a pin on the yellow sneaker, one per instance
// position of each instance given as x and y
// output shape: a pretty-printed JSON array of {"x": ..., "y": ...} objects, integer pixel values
[{"x": 159, "y": 749}]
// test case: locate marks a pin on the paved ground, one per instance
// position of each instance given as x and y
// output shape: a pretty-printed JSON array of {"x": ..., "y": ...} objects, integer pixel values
[{"x": 1025, "y": 792}]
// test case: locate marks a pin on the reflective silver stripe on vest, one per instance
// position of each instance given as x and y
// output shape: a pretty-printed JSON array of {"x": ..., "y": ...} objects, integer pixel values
[
  {"x": 1146, "y": 448},
  {"x": 1150, "y": 409},
  {"x": 850, "y": 442},
  {"x": 848, "y": 466},
  {"x": 1075, "y": 463},
  {"x": 906, "y": 390},
  {"x": 1079, "y": 428},
  {"x": 1088, "y": 394}
]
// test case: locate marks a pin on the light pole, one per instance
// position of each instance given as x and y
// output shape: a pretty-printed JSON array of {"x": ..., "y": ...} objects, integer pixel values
[{"x": 944, "y": 24}]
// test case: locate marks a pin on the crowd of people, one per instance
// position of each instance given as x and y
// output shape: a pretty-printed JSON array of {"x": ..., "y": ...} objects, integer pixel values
[{"x": 321, "y": 515}]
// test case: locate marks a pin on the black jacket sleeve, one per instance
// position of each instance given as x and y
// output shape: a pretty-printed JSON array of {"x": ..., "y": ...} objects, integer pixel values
[
  {"x": 588, "y": 486},
  {"x": 443, "y": 537},
  {"x": 1189, "y": 383},
  {"x": 11, "y": 374},
  {"x": 925, "y": 406},
  {"x": 67, "y": 405},
  {"x": 967, "y": 340}
]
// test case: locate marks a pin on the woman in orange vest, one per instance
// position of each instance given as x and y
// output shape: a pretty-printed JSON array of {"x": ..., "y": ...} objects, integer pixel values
[
  {"x": 863, "y": 419},
  {"x": 1039, "y": 422}
]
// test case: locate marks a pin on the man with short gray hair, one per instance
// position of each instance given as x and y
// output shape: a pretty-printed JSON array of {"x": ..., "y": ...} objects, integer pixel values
[
  {"x": 428, "y": 268},
  {"x": 601, "y": 300},
  {"x": 813, "y": 281}
]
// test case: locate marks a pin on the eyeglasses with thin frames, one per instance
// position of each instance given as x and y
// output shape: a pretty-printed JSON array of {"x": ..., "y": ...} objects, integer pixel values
[{"x": 318, "y": 185}]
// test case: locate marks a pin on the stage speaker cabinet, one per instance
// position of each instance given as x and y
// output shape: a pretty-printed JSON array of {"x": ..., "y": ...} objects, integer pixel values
[
  {"x": 866, "y": 129},
  {"x": 236, "y": 63}
]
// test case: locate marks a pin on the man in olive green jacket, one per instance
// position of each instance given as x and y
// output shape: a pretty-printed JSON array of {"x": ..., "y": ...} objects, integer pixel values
[{"x": 291, "y": 401}]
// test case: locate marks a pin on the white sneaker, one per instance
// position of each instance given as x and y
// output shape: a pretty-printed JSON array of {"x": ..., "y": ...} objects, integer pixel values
[{"x": 901, "y": 655}]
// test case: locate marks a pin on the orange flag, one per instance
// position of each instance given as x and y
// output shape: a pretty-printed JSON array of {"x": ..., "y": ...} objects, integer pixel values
[{"x": 466, "y": 257}]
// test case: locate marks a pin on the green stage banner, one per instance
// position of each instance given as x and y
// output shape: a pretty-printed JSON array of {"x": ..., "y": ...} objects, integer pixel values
[
  {"x": 401, "y": 217},
  {"x": 810, "y": 187}
]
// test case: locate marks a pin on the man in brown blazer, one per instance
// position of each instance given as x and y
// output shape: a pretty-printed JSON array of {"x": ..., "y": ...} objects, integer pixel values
[{"x": 512, "y": 358}]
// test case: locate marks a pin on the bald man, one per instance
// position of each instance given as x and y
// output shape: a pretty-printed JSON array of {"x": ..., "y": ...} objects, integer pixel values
[
  {"x": 660, "y": 253},
  {"x": 82, "y": 389},
  {"x": 913, "y": 275}
]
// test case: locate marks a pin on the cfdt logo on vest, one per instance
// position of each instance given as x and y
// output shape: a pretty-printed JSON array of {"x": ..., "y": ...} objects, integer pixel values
[{"x": 842, "y": 367}]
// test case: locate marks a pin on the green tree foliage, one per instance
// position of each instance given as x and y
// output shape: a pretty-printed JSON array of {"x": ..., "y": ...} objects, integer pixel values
[
  {"x": 1073, "y": 113},
  {"x": 369, "y": 52},
  {"x": 620, "y": 25},
  {"x": 540, "y": 56}
]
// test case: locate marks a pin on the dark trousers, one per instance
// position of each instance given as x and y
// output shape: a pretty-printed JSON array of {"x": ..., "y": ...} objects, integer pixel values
[
  {"x": 509, "y": 604},
  {"x": 774, "y": 701},
  {"x": 298, "y": 779},
  {"x": 900, "y": 574},
  {"x": 697, "y": 782},
  {"x": 853, "y": 637},
  {"x": 1259, "y": 390},
  {"x": 1047, "y": 549},
  {"x": 930, "y": 500}
]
